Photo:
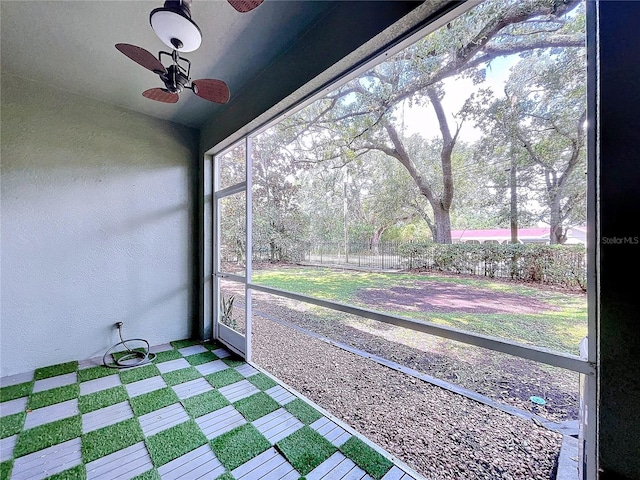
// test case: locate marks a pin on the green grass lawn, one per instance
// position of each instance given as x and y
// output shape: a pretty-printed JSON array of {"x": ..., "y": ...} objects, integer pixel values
[{"x": 560, "y": 327}]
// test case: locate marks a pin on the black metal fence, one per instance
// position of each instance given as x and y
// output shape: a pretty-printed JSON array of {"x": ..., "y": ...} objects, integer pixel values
[{"x": 387, "y": 255}]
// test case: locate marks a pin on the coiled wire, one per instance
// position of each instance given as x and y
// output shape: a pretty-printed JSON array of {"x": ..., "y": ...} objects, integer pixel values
[{"x": 133, "y": 357}]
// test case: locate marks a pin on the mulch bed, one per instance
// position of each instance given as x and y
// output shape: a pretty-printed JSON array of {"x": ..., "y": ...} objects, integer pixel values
[
  {"x": 440, "y": 434},
  {"x": 504, "y": 378}
]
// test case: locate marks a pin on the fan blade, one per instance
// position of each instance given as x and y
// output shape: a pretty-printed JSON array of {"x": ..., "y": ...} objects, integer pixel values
[
  {"x": 161, "y": 95},
  {"x": 142, "y": 57},
  {"x": 244, "y": 6},
  {"x": 212, "y": 90}
]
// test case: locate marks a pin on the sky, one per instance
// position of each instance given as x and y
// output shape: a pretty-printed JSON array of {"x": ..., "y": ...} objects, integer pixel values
[{"x": 423, "y": 120}]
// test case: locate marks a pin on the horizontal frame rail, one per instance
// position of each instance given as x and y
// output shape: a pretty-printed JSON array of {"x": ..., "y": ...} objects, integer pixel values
[
  {"x": 537, "y": 354},
  {"x": 230, "y": 276},
  {"x": 231, "y": 190}
]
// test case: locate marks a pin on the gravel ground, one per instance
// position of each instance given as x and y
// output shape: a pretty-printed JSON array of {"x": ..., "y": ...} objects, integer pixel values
[{"x": 440, "y": 434}]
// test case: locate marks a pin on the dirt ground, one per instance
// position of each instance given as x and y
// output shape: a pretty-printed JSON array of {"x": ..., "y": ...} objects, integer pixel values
[{"x": 445, "y": 297}]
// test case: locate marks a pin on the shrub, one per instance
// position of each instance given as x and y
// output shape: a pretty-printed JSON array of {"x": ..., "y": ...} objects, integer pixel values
[{"x": 561, "y": 265}]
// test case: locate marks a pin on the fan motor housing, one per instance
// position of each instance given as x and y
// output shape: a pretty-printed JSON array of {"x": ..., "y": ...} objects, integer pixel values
[{"x": 174, "y": 80}]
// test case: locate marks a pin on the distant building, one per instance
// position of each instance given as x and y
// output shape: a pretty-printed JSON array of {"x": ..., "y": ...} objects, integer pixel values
[{"x": 575, "y": 235}]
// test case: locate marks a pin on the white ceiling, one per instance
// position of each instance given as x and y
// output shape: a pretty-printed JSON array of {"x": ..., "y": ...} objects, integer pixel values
[{"x": 70, "y": 45}]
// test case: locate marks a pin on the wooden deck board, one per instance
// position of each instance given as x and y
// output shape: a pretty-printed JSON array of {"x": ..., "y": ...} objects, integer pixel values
[
  {"x": 167, "y": 417},
  {"x": 147, "y": 385},
  {"x": 325, "y": 467},
  {"x": 331, "y": 431},
  {"x": 394, "y": 474},
  {"x": 192, "y": 350},
  {"x": 277, "y": 425},
  {"x": 54, "y": 382},
  {"x": 211, "y": 367},
  {"x": 246, "y": 370},
  {"x": 57, "y": 411},
  {"x": 269, "y": 465},
  {"x": 17, "y": 378},
  {"x": 6, "y": 447},
  {"x": 99, "y": 384},
  {"x": 123, "y": 464},
  {"x": 280, "y": 394},
  {"x": 221, "y": 421},
  {"x": 199, "y": 463},
  {"x": 249, "y": 467},
  {"x": 51, "y": 460},
  {"x": 172, "y": 365},
  {"x": 106, "y": 416},
  {"x": 13, "y": 406},
  {"x": 238, "y": 391},
  {"x": 192, "y": 388},
  {"x": 221, "y": 353}
]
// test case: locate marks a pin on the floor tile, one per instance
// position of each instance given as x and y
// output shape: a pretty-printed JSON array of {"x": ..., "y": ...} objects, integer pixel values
[
  {"x": 192, "y": 388},
  {"x": 106, "y": 416},
  {"x": 161, "y": 348},
  {"x": 123, "y": 464},
  {"x": 53, "y": 382},
  {"x": 336, "y": 467},
  {"x": 280, "y": 394},
  {"x": 44, "y": 463},
  {"x": 220, "y": 421},
  {"x": 199, "y": 463},
  {"x": 172, "y": 365},
  {"x": 246, "y": 370},
  {"x": 99, "y": 384},
  {"x": 162, "y": 419},
  {"x": 277, "y": 425},
  {"x": 6, "y": 447},
  {"x": 192, "y": 350},
  {"x": 221, "y": 353},
  {"x": 331, "y": 431},
  {"x": 17, "y": 379},
  {"x": 102, "y": 428},
  {"x": 394, "y": 474},
  {"x": 212, "y": 367},
  {"x": 145, "y": 386},
  {"x": 13, "y": 406},
  {"x": 51, "y": 413},
  {"x": 238, "y": 390},
  {"x": 268, "y": 465}
]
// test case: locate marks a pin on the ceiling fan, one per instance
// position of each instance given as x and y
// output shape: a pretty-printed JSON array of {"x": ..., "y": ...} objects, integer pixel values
[{"x": 174, "y": 26}]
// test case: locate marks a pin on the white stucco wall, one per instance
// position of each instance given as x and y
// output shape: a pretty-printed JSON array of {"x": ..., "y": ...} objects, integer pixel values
[{"x": 96, "y": 226}]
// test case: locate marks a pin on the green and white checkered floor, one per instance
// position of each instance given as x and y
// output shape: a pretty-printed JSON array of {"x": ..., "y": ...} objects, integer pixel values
[{"x": 196, "y": 412}]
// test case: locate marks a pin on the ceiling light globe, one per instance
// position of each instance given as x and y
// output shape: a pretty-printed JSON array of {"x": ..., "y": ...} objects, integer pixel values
[{"x": 170, "y": 26}]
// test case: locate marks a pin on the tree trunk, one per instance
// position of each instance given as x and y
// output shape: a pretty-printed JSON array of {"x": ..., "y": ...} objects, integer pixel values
[
  {"x": 441, "y": 204},
  {"x": 442, "y": 225},
  {"x": 375, "y": 239},
  {"x": 345, "y": 231},
  {"x": 557, "y": 234},
  {"x": 513, "y": 214}
]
